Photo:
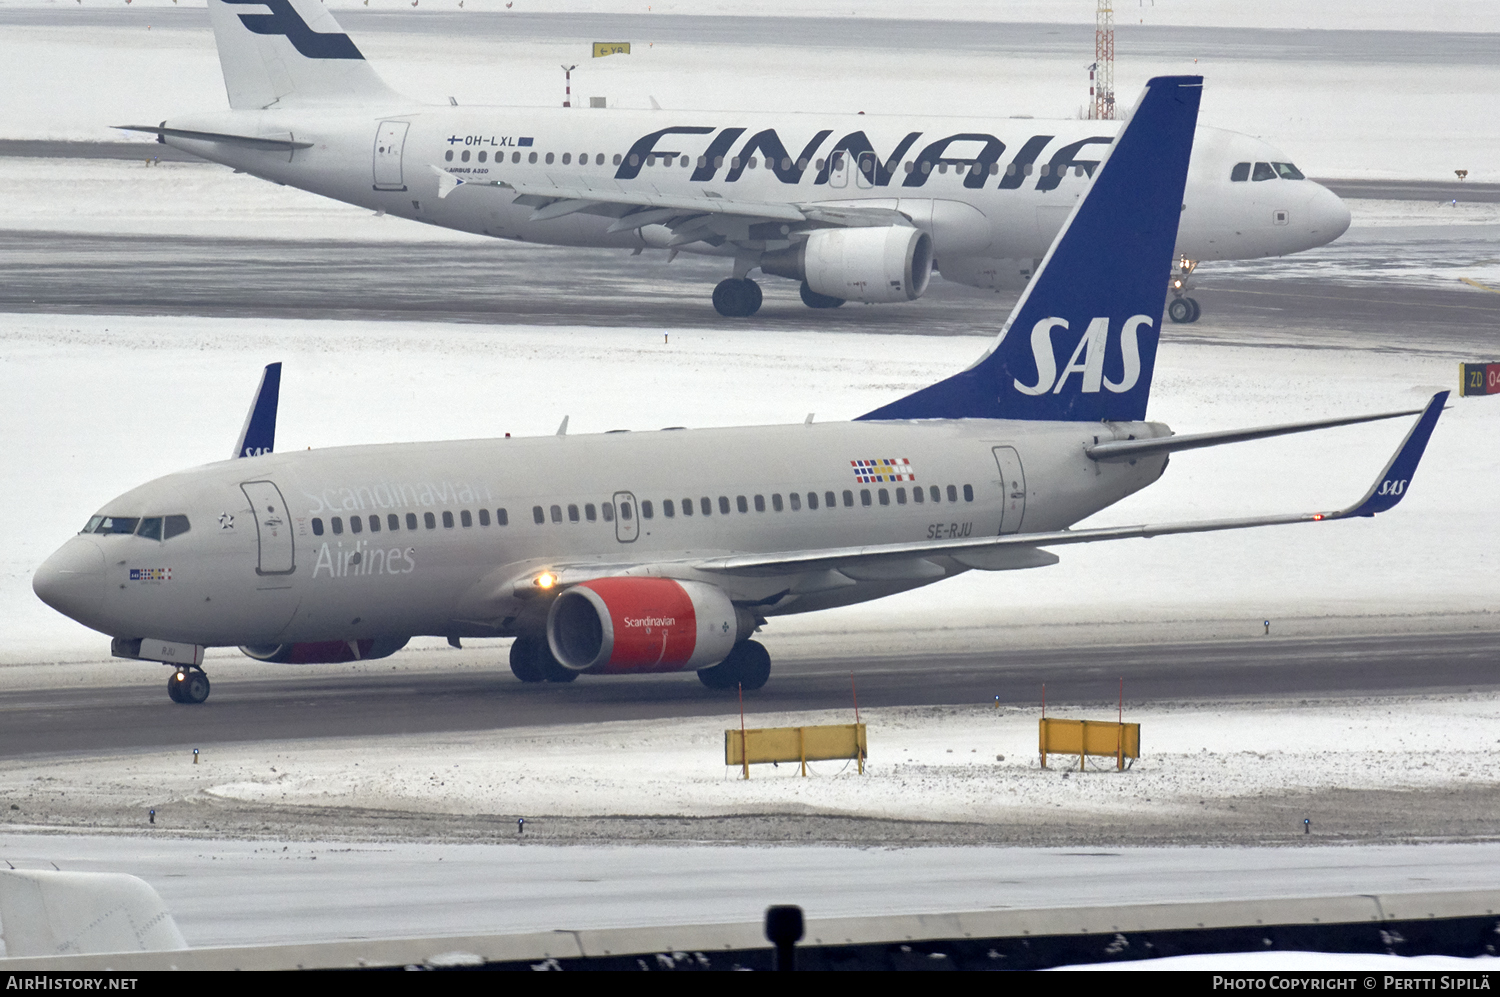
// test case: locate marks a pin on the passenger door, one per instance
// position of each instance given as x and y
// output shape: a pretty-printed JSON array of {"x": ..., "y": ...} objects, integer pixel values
[
  {"x": 273, "y": 528},
  {"x": 838, "y": 170},
  {"x": 390, "y": 139},
  {"x": 1012, "y": 489},
  {"x": 627, "y": 518}
]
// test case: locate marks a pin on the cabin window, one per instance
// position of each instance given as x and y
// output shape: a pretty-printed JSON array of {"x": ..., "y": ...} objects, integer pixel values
[
  {"x": 734, "y": 162},
  {"x": 590, "y": 512},
  {"x": 338, "y": 525},
  {"x": 625, "y": 511},
  {"x": 515, "y": 157},
  {"x": 916, "y": 495},
  {"x": 393, "y": 522},
  {"x": 465, "y": 519},
  {"x": 885, "y": 497},
  {"x": 572, "y": 513},
  {"x": 994, "y": 168},
  {"x": 317, "y": 525},
  {"x": 599, "y": 159},
  {"x": 942, "y": 167},
  {"x": 465, "y": 156},
  {"x": 447, "y": 520},
  {"x": 150, "y": 528},
  {"x": 634, "y": 159},
  {"x": 802, "y": 163},
  {"x": 760, "y": 503},
  {"x": 794, "y": 498},
  {"x": 538, "y": 515},
  {"x": 741, "y": 503},
  {"x": 718, "y": 162},
  {"x": 952, "y": 494},
  {"x": 567, "y": 158},
  {"x": 647, "y": 512},
  {"x": 549, "y": 159},
  {"x": 864, "y": 496},
  {"x": 926, "y": 167},
  {"x": 687, "y": 507},
  {"x": 812, "y": 500},
  {"x": 176, "y": 526},
  {"x": 356, "y": 525},
  {"x": 484, "y": 517},
  {"x": 848, "y": 499},
  {"x": 556, "y": 511},
  {"x": 531, "y": 159},
  {"x": 502, "y": 518},
  {"x": 448, "y": 155},
  {"x": 617, "y": 160},
  {"x": 968, "y": 493},
  {"x": 900, "y": 496},
  {"x": 937, "y": 496},
  {"x": 724, "y": 505},
  {"x": 668, "y": 508},
  {"x": 829, "y": 499},
  {"x": 411, "y": 520},
  {"x": 429, "y": 520},
  {"x": 608, "y": 511},
  {"x": 374, "y": 524},
  {"x": 483, "y": 156}
]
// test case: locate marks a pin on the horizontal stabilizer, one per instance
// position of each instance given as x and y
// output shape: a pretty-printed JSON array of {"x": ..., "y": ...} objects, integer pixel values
[
  {"x": 1133, "y": 449},
  {"x": 248, "y": 141},
  {"x": 258, "y": 436}
]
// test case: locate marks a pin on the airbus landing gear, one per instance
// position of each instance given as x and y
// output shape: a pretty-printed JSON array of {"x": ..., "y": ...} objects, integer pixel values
[
  {"x": 737, "y": 297},
  {"x": 188, "y": 686},
  {"x": 813, "y": 299},
  {"x": 1184, "y": 310},
  {"x": 748, "y": 666},
  {"x": 531, "y": 660}
]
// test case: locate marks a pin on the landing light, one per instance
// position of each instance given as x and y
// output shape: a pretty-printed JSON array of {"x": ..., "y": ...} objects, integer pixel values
[
  {"x": 545, "y": 580},
  {"x": 182, "y": 676}
]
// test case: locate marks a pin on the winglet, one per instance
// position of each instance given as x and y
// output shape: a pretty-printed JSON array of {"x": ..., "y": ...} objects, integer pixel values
[
  {"x": 258, "y": 435},
  {"x": 1391, "y": 486}
]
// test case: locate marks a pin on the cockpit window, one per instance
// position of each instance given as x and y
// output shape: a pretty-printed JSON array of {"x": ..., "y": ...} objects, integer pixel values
[
  {"x": 1287, "y": 171},
  {"x": 1240, "y": 173},
  {"x": 1263, "y": 171},
  {"x": 112, "y": 524},
  {"x": 150, "y": 528},
  {"x": 175, "y": 526}
]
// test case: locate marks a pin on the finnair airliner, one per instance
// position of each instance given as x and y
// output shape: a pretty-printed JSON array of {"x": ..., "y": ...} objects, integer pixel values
[
  {"x": 854, "y": 207},
  {"x": 624, "y": 553}
]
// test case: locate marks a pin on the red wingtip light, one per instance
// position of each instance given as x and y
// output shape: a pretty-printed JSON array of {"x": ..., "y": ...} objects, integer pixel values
[{"x": 1317, "y": 516}]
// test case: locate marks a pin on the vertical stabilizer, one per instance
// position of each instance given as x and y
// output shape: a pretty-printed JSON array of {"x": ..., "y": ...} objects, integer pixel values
[
  {"x": 1080, "y": 345},
  {"x": 289, "y": 52},
  {"x": 258, "y": 435}
]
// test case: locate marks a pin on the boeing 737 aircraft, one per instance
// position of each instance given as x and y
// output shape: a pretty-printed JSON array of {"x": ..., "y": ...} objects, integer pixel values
[
  {"x": 855, "y": 207},
  {"x": 655, "y": 552}
]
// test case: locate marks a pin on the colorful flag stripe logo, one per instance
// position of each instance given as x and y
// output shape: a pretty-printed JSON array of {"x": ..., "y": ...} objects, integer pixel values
[
  {"x": 882, "y": 469},
  {"x": 151, "y": 574}
]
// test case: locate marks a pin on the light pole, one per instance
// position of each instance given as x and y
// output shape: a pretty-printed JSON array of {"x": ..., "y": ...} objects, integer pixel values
[{"x": 568, "y": 85}]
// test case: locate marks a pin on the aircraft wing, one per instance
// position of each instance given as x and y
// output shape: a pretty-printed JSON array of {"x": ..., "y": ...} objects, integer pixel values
[
  {"x": 691, "y": 217},
  {"x": 1387, "y": 490}
]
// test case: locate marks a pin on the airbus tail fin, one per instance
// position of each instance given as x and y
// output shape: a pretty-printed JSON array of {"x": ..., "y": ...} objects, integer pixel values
[
  {"x": 1080, "y": 345},
  {"x": 289, "y": 52},
  {"x": 258, "y": 435}
]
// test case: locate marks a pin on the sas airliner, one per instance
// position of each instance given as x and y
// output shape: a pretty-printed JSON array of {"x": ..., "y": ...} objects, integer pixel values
[
  {"x": 625, "y": 553},
  {"x": 854, "y": 207}
]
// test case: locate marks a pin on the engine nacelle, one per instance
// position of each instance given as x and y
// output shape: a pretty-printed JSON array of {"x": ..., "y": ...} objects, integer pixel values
[
  {"x": 326, "y": 652},
  {"x": 625, "y": 625},
  {"x": 892, "y": 263}
]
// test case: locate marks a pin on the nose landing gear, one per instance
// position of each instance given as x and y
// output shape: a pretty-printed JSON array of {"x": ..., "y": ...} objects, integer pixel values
[
  {"x": 1183, "y": 308},
  {"x": 188, "y": 685}
]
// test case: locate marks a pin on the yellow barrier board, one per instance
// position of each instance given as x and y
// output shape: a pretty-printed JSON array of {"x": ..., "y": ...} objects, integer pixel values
[
  {"x": 1089, "y": 737},
  {"x": 601, "y": 49},
  {"x": 828, "y": 742}
]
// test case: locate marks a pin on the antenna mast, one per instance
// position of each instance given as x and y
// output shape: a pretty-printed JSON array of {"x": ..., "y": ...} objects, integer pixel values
[{"x": 1104, "y": 62}]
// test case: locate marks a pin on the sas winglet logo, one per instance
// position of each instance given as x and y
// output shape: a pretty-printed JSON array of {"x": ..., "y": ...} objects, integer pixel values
[{"x": 284, "y": 20}]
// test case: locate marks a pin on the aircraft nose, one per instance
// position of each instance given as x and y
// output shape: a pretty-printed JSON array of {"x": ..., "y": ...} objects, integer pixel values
[
  {"x": 1330, "y": 215},
  {"x": 71, "y": 581}
]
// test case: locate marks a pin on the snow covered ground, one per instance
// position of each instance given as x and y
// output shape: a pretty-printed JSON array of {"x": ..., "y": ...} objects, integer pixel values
[{"x": 1335, "y": 115}]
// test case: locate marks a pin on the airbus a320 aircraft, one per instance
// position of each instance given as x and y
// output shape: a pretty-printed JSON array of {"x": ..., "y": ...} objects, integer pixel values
[
  {"x": 855, "y": 207},
  {"x": 655, "y": 552}
]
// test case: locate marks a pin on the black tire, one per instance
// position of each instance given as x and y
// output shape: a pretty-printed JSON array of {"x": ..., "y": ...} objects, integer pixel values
[
  {"x": 737, "y": 297},
  {"x": 552, "y": 669},
  {"x": 813, "y": 299},
  {"x": 754, "y": 665},
  {"x": 1197, "y": 308},
  {"x": 720, "y": 676},
  {"x": 1181, "y": 310},
  {"x": 195, "y": 688},
  {"x": 523, "y": 660},
  {"x": 174, "y": 689}
]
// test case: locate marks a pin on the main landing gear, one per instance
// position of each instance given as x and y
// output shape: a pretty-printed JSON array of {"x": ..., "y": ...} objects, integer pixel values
[
  {"x": 748, "y": 666},
  {"x": 813, "y": 299},
  {"x": 188, "y": 685},
  {"x": 737, "y": 297},
  {"x": 531, "y": 660}
]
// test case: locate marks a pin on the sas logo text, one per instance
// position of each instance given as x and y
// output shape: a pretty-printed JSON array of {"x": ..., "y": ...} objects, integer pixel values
[
  {"x": 1389, "y": 487},
  {"x": 1087, "y": 358}
]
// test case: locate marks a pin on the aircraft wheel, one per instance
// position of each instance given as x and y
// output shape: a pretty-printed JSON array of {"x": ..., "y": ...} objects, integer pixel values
[
  {"x": 1197, "y": 308},
  {"x": 552, "y": 670},
  {"x": 720, "y": 676},
  {"x": 737, "y": 297},
  {"x": 174, "y": 688},
  {"x": 193, "y": 689},
  {"x": 1182, "y": 310},
  {"x": 813, "y": 299},
  {"x": 523, "y": 660},
  {"x": 748, "y": 666}
]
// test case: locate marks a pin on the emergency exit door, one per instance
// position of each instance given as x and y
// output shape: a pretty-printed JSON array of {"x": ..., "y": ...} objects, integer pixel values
[
  {"x": 273, "y": 528},
  {"x": 627, "y": 518},
  {"x": 1012, "y": 488},
  {"x": 390, "y": 140}
]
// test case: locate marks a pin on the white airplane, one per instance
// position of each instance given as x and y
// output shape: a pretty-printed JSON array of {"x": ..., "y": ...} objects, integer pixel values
[
  {"x": 652, "y": 552},
  {"x": 855, "y": 207}
]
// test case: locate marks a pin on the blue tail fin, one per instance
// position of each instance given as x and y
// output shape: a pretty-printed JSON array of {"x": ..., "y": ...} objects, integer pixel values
[
  {"x": 258, "y": 435},
  {"x": 1094, "y": 307}
]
